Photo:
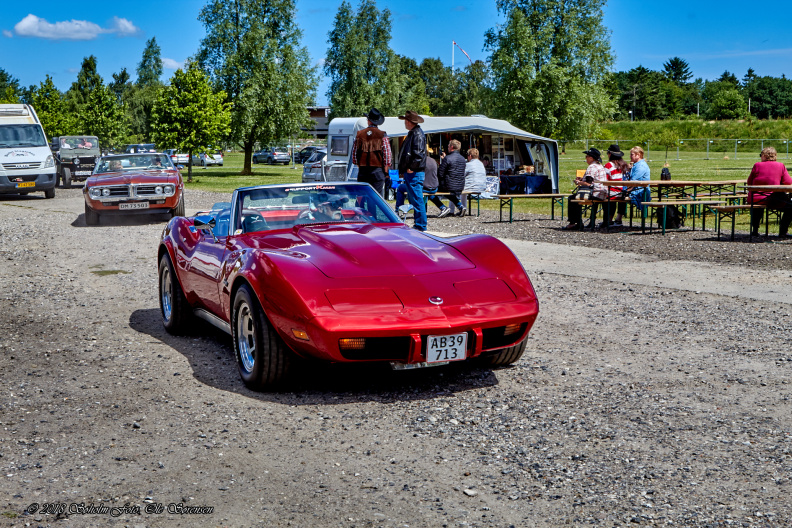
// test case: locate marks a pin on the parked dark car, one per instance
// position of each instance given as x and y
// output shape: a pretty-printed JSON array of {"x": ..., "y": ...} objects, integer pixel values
[{"x": 303, "y": 155}]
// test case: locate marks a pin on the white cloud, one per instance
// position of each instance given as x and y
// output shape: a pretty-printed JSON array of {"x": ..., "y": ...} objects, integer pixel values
[
  {"x": 320, "y": 63},
  {"x": 7, "y": 33},
  {"x": 35, "y": 27},
  {"x": 171, "y": 64},
  {"x": 123, "y": 27}
]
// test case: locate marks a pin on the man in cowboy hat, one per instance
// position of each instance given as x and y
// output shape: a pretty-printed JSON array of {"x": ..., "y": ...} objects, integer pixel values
[
  {"x": 412, "y": 164},
  {"x": 371, "y": 152}
]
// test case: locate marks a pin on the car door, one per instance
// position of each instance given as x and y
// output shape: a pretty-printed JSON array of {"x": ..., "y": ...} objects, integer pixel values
[{"x": 205, "y": 265}]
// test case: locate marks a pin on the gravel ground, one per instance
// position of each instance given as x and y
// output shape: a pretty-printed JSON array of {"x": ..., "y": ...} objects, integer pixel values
[{"x": 633, "y": 405}]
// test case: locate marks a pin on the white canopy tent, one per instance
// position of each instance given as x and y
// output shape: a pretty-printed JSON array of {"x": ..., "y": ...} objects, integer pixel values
[{"x": 541, "y": 148}]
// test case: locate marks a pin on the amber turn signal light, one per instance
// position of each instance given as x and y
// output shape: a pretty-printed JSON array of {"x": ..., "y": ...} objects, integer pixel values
[
  {"x": 300, "y": 334},
  {"x": 352, "y": 343}
]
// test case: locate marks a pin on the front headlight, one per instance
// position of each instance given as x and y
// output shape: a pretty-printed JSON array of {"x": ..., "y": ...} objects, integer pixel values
[
  {"x": 158, "y": 189},
  {"x": 95, "y": 192},
  {"x": 168, "y": 189},
  {"x": 105, "y": 192},
  {"x": 49, "y": 162}
]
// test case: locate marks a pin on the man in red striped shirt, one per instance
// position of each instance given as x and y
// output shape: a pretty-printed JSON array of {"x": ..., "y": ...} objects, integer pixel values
[{"x": 617, "y": 169}]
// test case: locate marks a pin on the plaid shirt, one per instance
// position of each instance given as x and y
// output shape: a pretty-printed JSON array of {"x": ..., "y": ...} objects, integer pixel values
[{"x": 386, "y": 150}]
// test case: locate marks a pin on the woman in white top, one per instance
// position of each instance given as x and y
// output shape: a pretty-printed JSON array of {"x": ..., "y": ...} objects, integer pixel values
[{"x": 475, "y": 175}]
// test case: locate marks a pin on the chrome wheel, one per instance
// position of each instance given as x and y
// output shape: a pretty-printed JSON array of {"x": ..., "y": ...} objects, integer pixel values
[
  {"x": 246, "y": 336},
  {"x": 166, "y": 294}
]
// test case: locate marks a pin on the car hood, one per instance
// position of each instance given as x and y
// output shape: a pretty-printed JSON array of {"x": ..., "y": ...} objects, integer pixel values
[
  {"x": 126, "y": 178},
  {"x": 364, "y": 250}
]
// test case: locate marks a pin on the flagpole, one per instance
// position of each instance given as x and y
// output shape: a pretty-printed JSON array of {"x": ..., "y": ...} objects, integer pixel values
[{"x": 452, "y": 56}]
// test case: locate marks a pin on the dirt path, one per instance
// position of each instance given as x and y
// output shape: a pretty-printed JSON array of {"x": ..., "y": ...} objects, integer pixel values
[{"x": 661, "y": 397}]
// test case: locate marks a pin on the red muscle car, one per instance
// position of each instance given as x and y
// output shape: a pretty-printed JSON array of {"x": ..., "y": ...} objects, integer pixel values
[
  {"x": 143, "y": 183},
  {"x": 327, "y": 271}
]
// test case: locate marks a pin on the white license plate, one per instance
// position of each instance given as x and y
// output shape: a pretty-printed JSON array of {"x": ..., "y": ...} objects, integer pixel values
[
  {"x": 133, "y": 205},
  {"x": 446, "y": 348},
  {"x": 82, "y": 173}
]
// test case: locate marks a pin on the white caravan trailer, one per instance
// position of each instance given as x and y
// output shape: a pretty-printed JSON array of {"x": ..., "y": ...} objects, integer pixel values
[{"x": 501, "y": 146}]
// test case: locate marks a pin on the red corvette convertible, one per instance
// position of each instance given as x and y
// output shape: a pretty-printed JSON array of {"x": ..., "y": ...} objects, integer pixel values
[
  {"x": 142, "y": 183},
  {"x": 329, "y": 272}
]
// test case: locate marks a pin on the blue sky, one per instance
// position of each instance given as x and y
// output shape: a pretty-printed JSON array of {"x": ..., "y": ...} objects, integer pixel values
[{"x": 52, "y": 37}]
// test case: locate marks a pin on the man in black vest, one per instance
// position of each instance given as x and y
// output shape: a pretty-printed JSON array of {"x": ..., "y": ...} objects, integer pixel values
[
  {"x": 371, "y": 152},
  {"x": 412, "y": 164}
]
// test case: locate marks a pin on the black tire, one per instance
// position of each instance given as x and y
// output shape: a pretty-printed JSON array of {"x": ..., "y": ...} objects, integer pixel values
[
  {"x": 263, "y": 358},
  {"x": 179, "y": 209},
  {"x": 49, "y": 193},
  {"x": 504, "y": 357},
  {"x": 66, "y": 178},
  {"x": 255, "y": 159},
  {"x": 174, "y": 308},
  {"x": 91, "y": 216}
]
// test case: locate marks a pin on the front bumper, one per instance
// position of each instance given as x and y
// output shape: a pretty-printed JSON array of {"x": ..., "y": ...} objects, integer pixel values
[{"x": 25, "y": 183}]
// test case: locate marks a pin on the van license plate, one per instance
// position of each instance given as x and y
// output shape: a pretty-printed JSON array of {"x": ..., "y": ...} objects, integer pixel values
[
  {"x": 133, "y": 205},
  {"x": 446, "y": 348},
  {"x": 26, "y": 184}
]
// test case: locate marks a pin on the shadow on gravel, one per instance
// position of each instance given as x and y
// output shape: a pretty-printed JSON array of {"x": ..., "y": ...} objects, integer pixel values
[
  {"x": 211, "y": 358},
  {"x": 111, "y": 220}
]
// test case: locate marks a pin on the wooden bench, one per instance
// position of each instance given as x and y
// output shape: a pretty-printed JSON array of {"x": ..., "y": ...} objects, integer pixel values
[
  {"x": 605, "y": 204},
  {"x": 730, "y": 211},
  {"x": 684, "y": 203},
  {"x": 509, "y": 199}
]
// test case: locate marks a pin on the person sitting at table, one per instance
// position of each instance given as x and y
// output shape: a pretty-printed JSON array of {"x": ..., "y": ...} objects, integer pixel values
[
  {"x": 617, "y": 169},
  {"x": 769, "y": 171},
  {"x": 639, "y": 171},
  {"x": 475, "y": 175},
  {"x": 594, "y": 173}
]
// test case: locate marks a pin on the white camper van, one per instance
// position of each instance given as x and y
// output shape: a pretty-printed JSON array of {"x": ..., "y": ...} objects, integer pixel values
[
  {"x": 503, "y": 147},
  {"x": 26, "y": 162}
]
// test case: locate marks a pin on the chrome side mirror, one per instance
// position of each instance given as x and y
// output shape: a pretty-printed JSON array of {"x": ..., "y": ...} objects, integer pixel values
[{"x": 206, "y": 223}]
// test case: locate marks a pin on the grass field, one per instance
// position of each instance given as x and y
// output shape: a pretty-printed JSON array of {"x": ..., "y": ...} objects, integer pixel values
[{"x": 227, "y": 178}]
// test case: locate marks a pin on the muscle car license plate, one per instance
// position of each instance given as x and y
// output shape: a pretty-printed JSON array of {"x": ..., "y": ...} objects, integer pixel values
[
  {"x": 26, "y": 184},
  {"x": 133, "y": 205},
  {"x": 446, "y": 348}
]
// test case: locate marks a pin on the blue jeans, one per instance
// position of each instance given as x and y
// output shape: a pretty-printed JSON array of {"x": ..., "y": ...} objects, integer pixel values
[{"x": 414, "y": 182}]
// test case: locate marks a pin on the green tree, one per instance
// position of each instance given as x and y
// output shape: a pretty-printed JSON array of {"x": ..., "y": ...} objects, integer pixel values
[
  {"x": 139, "y": 101},
  {"x": 88, "y": 80},
  {"x": 103, "y": 117},
  {"x": 149, "y": 69},
  {"x": 252, "y": 52},
  {"x": 120, "y": 84},
  {"x": 9, "y": 87},
  {"x": 472, "y": 93},
  {"x": 363, "y": 69},
  {"x": 188, "y": 116},
  {"x": 51, "y": 109},
  {"x": 439, "y": 84},
  {"x": 548, "y": 63},
  {"x": 723, "y": 101},
  {"x": 677, "y": 71}
]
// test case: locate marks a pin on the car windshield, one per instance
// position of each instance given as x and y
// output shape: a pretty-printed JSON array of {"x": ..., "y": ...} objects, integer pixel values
[
  {"x": 285, "y": 206},
  {"x": 22, "y": 136},
  {"x": 280, "y": 150},
  {"x": 134, "y": 162},
  {"x": 79, "y": 142}
]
